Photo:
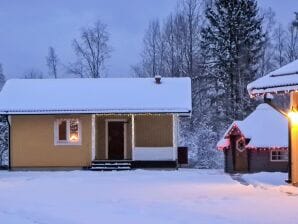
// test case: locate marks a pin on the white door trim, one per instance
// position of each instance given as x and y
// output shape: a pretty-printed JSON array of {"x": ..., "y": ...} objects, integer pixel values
[
  {"x": 107, "y": 136},
  {"x": 175, "y": 137}
]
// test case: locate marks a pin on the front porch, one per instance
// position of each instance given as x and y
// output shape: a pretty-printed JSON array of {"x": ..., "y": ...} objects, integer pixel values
[{"x": 142, "y": 140}]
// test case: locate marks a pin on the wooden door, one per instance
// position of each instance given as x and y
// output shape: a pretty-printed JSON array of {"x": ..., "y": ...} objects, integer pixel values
[
  {"x": 240, "y": 158},
  {"x": 116, "y": 140}
]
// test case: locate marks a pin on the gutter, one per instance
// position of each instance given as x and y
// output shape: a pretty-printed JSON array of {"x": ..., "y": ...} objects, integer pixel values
[
  {"x": 284, "y": 74},
  {"x": 270, "y": 103}
]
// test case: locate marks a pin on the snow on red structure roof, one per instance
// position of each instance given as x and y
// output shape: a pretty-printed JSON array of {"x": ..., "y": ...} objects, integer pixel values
[
  {"x": 104, "y": 95},
  {"x": 265, "y": 127},
  {"x": 284, "y": 79}
]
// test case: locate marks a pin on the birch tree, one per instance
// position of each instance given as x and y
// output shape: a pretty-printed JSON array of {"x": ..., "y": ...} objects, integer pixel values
[
  {"x": 279, "y": 46},
  {"x": 93, "y": 50},
  {"x": 33, "y": 74},
  {"x": 52, "y": 63}
]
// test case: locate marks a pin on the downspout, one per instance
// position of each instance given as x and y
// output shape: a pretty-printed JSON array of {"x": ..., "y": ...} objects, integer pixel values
[
  {"x": 9, "y": 151},
  {"x": 269, "y": 102}
]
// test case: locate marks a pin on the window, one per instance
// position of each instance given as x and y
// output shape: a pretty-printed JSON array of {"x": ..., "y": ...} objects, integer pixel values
[
  {"x": 67, "y": 132},
  {"x": 279, "y": 155}
]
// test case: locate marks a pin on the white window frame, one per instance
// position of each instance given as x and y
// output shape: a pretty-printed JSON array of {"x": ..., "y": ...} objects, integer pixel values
[
  {"x": 278, "y": 160},
  {"x": 66, "y": 142}
]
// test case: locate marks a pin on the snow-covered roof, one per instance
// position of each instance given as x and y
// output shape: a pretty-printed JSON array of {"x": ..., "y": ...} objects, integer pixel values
[
  {"x": 104, "y": 95},
  {"x": 265, "y": 127},
  {"x": 284, "y": 79}
]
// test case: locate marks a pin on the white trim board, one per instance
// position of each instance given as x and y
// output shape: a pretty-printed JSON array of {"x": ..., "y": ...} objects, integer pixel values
[
  {"x": 175, "y": 136},
  {"x": 107, "y": 136},
  {"x": 153, "y": 153}
]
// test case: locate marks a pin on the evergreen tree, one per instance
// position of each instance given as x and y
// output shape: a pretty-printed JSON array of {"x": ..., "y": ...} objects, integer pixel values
[
  {"x": 232, "y": 42},
  {"x": 3, "y": 129}
]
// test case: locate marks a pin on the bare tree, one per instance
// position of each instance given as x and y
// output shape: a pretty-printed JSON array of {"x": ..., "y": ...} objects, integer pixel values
[
  {"x": 280, "y": 44},
  {"x": 76, "y": 68},
  {"x": 286, "y": 43},
  {"x": 93, "y": 50},
  {"x": 173, "y": 48},
  {"x": 267, "y": 60},
  {"x": 52, "y": 62},
  {"x": 191, "y": 12},
  {"x": 33, "y": 74},
  {"x": 2, "y": 77},
  {"x": 292, "y": 44},
  {"x": 152, "y": 55}
]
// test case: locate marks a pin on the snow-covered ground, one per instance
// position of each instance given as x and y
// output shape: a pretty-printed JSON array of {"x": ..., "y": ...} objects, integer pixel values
[{"x": 184, "y": 196}]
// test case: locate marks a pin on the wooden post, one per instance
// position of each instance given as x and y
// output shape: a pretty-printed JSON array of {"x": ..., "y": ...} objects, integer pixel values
[
  {"x": 293, "y": 146},
  {"x": 93, "y": 151},
  {"x": 289, "y": 180}
]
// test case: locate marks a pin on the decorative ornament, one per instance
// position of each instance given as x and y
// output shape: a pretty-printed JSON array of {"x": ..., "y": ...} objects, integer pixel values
[{"x": 240, "y": 144}]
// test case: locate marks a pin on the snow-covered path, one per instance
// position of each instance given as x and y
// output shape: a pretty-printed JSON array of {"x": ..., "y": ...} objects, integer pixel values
[{"x": 184, "y": 196}]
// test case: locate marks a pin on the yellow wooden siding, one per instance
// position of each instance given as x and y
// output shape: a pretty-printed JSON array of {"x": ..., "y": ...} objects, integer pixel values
[
  {"x": 153, "y": 131},
  {"x": 32, "y": 143}
]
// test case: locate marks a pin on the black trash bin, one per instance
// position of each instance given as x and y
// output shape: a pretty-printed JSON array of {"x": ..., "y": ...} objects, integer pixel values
[{"x": 182, "y": 155}]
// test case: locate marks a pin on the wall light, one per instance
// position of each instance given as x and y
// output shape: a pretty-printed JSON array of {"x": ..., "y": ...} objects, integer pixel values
[{"x": 293, "y": 117}]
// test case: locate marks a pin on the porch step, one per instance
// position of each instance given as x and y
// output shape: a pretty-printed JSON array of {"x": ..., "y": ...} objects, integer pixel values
[{"x": 107, "y": 165}]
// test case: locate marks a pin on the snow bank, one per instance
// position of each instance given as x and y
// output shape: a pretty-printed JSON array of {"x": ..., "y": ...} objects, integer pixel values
[{"x": 184, "y": 196}]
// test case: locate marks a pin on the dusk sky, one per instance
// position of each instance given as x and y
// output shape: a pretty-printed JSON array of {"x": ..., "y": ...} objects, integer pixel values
[{"x": 29, "y": 27}]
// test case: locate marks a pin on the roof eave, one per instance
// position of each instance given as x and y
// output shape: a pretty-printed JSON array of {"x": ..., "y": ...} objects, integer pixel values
[
  {"x": 278, "y": 89},
  {"x": 56, "y": 112}
]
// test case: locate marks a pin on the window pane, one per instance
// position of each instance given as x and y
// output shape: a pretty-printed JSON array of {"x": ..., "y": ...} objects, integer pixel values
[
  {"x": 74, "y": 131},
  {"x": 279, "y": 155},
  {"x": 273, "y": 153},
  {"x": 62, "y": 131}
]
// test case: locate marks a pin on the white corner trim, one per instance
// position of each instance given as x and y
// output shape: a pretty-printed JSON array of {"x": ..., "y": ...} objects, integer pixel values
[
  {"x": 132, "y": 134},
  {"x": 107, "y": 136},
  {"x": 93, "y": 152},
  {"x": 153, "y": 153}
]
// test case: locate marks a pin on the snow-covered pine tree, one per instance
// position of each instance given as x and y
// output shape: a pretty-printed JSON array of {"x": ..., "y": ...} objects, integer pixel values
[
  {"x": 3, "y": 129},
  {"x": 232, "y": 41}
]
